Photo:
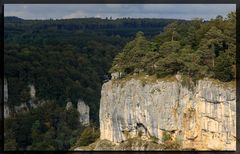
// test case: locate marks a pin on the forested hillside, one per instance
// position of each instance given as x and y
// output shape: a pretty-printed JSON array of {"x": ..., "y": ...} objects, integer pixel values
[
  {"x": 65, "y": 60},
  {"x": 196, "y": 49},
  {"x": 76, "y": 53}
]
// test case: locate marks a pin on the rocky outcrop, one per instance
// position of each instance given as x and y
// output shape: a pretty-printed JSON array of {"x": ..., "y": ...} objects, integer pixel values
[
  {"x": 135, "y": 144},
  {"x": 200, "y": 117},
  {"x": 6, "y": 111},
  {"x": 23, "y": 107},
  {"x": 118, "y": 75},
  {"x": 83, "y": 110},
  {"x": 5, "y": 90},
  {"x": 32, "y": 91},
  {"x": 69, "y": 106},
  {"x": 32, "y": 103}
]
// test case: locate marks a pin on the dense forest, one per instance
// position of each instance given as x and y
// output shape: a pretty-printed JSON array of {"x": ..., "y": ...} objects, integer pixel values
[
  {"x": 196, "y": 49},
  {"x": 65, "y": 60},
  {"x": 77, "y": 55}
]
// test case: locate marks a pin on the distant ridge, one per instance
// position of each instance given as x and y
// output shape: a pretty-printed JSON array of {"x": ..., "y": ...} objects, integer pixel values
[
  {"x": 12, "y": 19},
  {"x": 123, "y": 27}
]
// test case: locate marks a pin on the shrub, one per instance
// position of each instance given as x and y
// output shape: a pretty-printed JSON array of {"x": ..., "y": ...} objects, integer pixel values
[
  {"x": 166, "y": 137},
  {"x": 89, "y": 135}
]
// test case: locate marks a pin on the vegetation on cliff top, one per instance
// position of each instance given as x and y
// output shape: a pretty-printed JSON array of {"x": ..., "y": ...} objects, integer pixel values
[{"x": 196, "y": 49}]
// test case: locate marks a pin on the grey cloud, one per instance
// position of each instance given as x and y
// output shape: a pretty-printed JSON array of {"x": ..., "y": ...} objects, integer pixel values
[{"x": 58, "y": 11}]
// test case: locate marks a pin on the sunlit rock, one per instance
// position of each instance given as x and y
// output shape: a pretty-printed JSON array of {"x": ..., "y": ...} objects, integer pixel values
[{"x": 202, "y": 117}]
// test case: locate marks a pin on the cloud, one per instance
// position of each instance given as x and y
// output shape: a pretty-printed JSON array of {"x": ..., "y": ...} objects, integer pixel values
[
  {"x": 115, "y": 6},
  {"x": 59, "y": 11},
  {"x": 76, "y": 14},
  {"x": 25, "y": 6}
]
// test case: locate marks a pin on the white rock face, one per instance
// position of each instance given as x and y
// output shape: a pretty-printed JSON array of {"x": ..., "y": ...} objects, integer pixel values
[
  {"x": 69, "y": 105},
  {"x": 5, "y": 90},
  {"x": 32, "y": 91},
  {"x": 202, "y": 118},
  {"x": 6, "y": 111},
  {"x": 117, "y": 75},
  {"x": 83, "y": 110}
]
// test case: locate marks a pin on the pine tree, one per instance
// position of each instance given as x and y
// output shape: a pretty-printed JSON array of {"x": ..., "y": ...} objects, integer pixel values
[{"x": 223, "y": 69}]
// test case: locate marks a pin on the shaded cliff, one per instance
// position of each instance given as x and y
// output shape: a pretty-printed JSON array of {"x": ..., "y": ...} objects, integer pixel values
[{"x": 200, "y": 116}]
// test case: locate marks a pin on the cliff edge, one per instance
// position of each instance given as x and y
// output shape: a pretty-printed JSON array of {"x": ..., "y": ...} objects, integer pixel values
[{"x": 200, "y": 117}]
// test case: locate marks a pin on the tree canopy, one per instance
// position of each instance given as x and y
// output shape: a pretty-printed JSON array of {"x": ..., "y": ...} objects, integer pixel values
[
  {"x": 196, "y": 48},
  {"x": 65, "y": 60}
]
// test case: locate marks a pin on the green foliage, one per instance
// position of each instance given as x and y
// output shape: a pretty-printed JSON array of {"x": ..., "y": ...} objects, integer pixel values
[
  {"x": 66, "y": 59},
  {"x": 169, "y": 47},
  {"x": 40, "y": 146},
  {"x": 133, "y": 55},
  {"x": 172, "y": 145},
  {"x": 169, "y": 65},
  {"x": 10, "y": 145},
  {"x": 188, "y": 82},
  {"x": 169, "y": 143},
  {"x": 75, "y": 52},
  {"x": 223, "y": 69},
  {"x": 166, "y": 136},
  {"x": 194, "y": 48},
  {"x": 154, "y": 139},
  {"x": 49, "y": 127},
  {"x": 89, "y": 135}
]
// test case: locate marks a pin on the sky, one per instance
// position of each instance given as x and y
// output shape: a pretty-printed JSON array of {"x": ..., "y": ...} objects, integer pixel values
[{"x": 66, "y": 11}]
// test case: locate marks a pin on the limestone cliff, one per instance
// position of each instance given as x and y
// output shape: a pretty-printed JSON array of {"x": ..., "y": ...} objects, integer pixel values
[
  {"x": 83, "y": 110},
  {"x": 201, "y": 117}
]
